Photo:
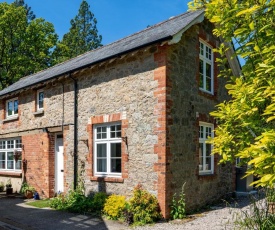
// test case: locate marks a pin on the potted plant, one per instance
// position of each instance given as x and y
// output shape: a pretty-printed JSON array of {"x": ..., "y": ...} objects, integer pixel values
[
  {"x": 1, "y": 186},
  {"x": 9, "y": 188},
  {"x": 27, "y": 190},
  {"x": 270, "y": 197}
]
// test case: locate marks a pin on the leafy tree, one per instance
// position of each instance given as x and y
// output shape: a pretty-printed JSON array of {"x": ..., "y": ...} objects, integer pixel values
[
  {"x": 30, "y": 14},
  {"x": 82, "y": 37},
  {"x": 25, "y": 47},
  {"x": 246, "y": 122}
]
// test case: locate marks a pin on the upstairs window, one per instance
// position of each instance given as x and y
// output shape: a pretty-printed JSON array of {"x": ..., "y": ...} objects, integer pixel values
[
  {"x": 206, "y": 160},
  {"x": 206, "y": 68},
  {"x": 107, "y": 149},
  {"x": 12, "y": 108},
  {"x": 8, "y": 149},
  {"x": 40, "y": 100}
]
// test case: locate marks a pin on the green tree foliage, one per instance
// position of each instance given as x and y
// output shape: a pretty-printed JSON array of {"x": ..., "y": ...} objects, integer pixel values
[
  {"x": 246, "y": 123},
  {"x": 25, "y": 47},
  {"x": 82, "y": 37},
  {"x": 30, "y": 14}
]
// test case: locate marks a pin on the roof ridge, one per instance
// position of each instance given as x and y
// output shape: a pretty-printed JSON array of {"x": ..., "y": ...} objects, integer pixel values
[{"x": 112, "y": 43}]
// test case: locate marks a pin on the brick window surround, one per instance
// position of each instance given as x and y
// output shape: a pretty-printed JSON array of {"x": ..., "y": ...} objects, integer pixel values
[{"x": 101, "y": 119}]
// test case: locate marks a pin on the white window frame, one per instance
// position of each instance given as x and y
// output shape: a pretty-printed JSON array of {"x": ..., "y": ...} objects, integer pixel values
[
  {"x": 108, "y": 141},
  {"x": 13, "y": 112},
  {"x": 5, "y": 147},
  {"x": 206, "y": 58},
  {"x": 37, "y": 100},
  {"x": 203, "y": 167}
]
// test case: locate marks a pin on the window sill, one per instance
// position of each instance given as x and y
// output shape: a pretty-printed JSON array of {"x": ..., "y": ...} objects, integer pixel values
[
  {"x": 107, "y": 179},
  {"x": 14, "y": 118},
  {"x": 207, "y": 176},
  {"x": 205, "y": 91},
  {"x": 12, "y": 174},
  {"x": 39, "y": 112}
]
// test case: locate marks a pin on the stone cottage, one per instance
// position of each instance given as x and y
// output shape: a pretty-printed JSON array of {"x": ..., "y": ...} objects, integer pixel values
[{"x": 134, "y": 111}]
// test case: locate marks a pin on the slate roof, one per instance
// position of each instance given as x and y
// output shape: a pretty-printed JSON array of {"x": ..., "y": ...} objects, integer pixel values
[{"x": 160, "y": 32}]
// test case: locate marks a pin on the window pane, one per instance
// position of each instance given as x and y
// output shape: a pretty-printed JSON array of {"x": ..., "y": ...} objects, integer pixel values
[
  {"x": 201, "y": 156},
  {"x": 16, "y": 107},
  {"x": 201, "y": 74},
  {"x": 10, "y": 108},
  {"x": 10, "y": 144},
  {"x": 208, "y": 53},
  {"x": 2, "y": 164},
  {"x": 10, "y": 161},
  {"x": 18, "y": 143},
  {"x": 10, "y": 156},
  {"x": 208, "y": 164},
  {"x": 40, "y": 99},
  {"x": 116, "y": 165},
  {"x": 208, "y": 149},
  {"x": 101, "y": 132},
  {"x": 208, "y": 77},
  {"x": 115, "y": 131},
  {"x": 18, "y": 164},
  {"x": 201, "y": 48},
  {"x": 101, "y": 165},
  {"x": 2, "y": 156},
  {"x": 2, "y": 160},
  {"x": 101, "y": 150},
  {"x": 2, "y": 144},
  {"x": 201, "y": 132},
  {"x": 115, "y": 149}
]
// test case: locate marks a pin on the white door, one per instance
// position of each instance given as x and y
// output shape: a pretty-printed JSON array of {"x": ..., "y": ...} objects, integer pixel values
[{"x": 59, "y": 164}]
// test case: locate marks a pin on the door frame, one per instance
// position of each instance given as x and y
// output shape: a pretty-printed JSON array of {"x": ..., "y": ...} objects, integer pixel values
[{"x": 56, "y": 187}]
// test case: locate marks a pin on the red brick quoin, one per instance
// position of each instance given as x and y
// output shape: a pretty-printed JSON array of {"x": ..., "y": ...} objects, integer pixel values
[{"x": 161, "y": 110}]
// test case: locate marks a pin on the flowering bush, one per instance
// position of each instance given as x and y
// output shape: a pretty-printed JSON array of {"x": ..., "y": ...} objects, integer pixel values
[
  {"x": 114, "y": 206},
  {"x": 144, "y": 207}
]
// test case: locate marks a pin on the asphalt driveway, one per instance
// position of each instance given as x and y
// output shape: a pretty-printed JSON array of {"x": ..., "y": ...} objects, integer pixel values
[{"x": 16, "y": 215}]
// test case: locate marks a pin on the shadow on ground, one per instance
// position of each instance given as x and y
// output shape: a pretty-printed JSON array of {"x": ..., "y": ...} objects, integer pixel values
[{"x": 15, "y": 214}]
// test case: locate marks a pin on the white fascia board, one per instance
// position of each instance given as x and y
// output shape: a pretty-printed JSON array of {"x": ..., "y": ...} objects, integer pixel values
[{"x": 177, "y": 37}]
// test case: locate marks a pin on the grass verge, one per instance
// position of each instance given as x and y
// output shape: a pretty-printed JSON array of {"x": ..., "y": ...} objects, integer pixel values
[{"x": 40, "y": 203}]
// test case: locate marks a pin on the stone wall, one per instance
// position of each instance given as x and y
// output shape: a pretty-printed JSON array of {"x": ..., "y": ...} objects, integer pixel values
[
  {"x": 190, "y": 106},
  {"x": 125, "y": 87}
]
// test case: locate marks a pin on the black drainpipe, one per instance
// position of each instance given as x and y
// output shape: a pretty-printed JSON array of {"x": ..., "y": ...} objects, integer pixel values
[{"x": 75, "y": 130}]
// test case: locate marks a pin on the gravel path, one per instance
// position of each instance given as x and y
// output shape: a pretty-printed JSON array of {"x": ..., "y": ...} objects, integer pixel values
[{"x": 220, "y": 217}]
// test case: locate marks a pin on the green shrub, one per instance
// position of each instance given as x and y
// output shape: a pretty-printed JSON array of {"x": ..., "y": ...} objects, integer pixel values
[
  {"x": 99, "y": 200},
  {"x": 114, "y": 206},
  {"x": 144, "y": 207},
  {"x": 178, "y": 206},
  {"x": 75, "y": 201},
  {"x": 59, "y": 202}
]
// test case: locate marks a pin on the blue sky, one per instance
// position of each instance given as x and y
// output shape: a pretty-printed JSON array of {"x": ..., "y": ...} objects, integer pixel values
[{"x": 116, "y": 18}]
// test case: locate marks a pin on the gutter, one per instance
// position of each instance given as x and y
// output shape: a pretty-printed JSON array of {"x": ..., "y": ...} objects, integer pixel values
[{"x": 75, "y": 130}]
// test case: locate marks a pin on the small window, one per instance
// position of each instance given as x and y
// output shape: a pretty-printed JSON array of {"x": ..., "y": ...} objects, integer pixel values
[
  {"x": 206, "y": 82},
  {"x": 12, "y": 108},
  {"x": 8, "y": 160},
  {"x": 206, "y": 160},
  {"x": 107, "y": 149},
  {"x": 40, "y": 100}
]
